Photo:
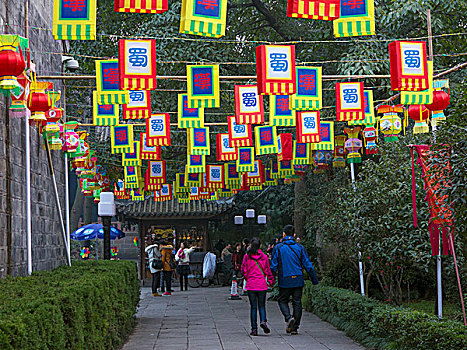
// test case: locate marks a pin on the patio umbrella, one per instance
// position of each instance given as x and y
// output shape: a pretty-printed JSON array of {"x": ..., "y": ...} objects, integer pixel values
[{"x": 93, "y": 231}]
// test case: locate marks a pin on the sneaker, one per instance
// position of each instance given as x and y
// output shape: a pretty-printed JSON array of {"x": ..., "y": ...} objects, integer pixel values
[
  {"x": 156, "y": 295},
  {"x": 254, "y": 332},
  {"x": 265, "y": 327},
  {"x": 294, "y": 331},
  {"x": 290, "y": 325},
  {"x": 167, "y": 293}
]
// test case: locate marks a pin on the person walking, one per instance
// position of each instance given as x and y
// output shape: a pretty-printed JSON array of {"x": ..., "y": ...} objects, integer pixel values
[
  {"x": 155, "y": 266},
  {"x": 183, "y": 267},
  {"x": 237, "y": 258},
  {"x": 258, "y": 276},
  {"x": 289, "y": 258},
  {"x": 167, "y": 262}
]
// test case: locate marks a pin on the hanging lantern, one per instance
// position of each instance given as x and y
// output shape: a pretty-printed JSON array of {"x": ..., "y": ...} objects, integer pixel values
[
  {"x": 420, "y": 114},
  {"x": 323, "y": 159},
  {"x": 20, "y": 94},
  {"x": 11, "y": 65},
  {"x": 38, "y": 103},
  {"x": 353, "y": 145},
  {"x": 390, "y": 123},
  {"x": 440, "y": 102},
  {"x": 339, "y": 152},
  {"x": 370, "y": 134}
]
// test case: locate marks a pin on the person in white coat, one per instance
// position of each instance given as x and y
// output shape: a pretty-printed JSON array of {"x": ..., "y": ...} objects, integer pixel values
[
  {"x": 155, "y": 266},
  {"x": 183, "y": 267}
]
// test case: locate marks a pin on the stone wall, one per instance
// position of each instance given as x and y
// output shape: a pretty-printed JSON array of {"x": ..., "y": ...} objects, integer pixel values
[{"x": 48, "y": 248}]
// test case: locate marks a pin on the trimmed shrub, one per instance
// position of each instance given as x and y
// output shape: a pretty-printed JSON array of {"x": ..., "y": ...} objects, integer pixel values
[
  {"x": 381, "y": 326},
  {"x": 90, "y": 305}
]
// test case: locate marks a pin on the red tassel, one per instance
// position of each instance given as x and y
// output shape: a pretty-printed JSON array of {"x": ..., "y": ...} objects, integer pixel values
[
  {"x": 445, "y": 241},
  {"x": 434, "y": 239},
  {"x": 414, "y": 196}
]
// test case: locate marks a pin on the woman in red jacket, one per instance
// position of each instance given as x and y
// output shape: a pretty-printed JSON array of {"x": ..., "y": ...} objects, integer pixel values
[
  {"x": 258, "y": 275},
  {"x": 237, "y": 258}
]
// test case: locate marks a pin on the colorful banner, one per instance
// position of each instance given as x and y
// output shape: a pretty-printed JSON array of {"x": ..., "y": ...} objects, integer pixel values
[
  {"x": 350, "y": 101},
  {"x": 408, "y": 66},
  {"x": 74, "y": 19},
  {"x": 148, "y": 152},
  {"x": 370, "y": 118},
  {"x": 204, "y": 17},
  {"x": 121, "y": 139},
  {"x": 424, "y": 97},
  {"x": 193, "y": 179},
  {"x": 138, "y": 106},
  {"x": 249, "y": 107},
  {"x": 132, "y": 159},
  {"x": 180, "y": 185},
  {"x": 280, "y": 113},
  {"x": 327, "y": 10},
  {"x": 275, "y": 67},
  {"x": 257, "y": 176},
  {"x": 246, "y": 159},
  {"x": 265, "y": 140},
  {"x": 309, "y": 96},
  {"x": 189, "y": 117},
  {"x": 137, "y": 64},
  {"x": 308, "y": 127},
  {"x": 203, "y": 86},
  {"x": 198, "y": 141},
  {"x": 301, "y": 153},
  {"x": 223, "y": 150},
  {"x": 232, "y": 177},
  {"x": 156, "y": 172},
  {"x": 104, "y": 115},
  {"x": 356, "y": 18},
  {"x": 132, "y": 175},
  {"x": 215, "y": 176},
  {"x": 268, "y": 180},
  {"x": 326, "y": 143},
  {"x": 285, "y": 168},
  {"x": 195, "y": 164},
  {"x": 158, "y": 130},
  {"x": 240, "y": 135},
  {"x": 284, "y": 147},
  {"x": 108, "y": 83},
  {"x": 141, "y": 6}
]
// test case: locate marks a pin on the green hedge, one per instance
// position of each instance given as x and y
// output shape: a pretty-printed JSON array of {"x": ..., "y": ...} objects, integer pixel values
[
  {"x": 90, "y": 305},
  {"x": 381, "y": 326}
]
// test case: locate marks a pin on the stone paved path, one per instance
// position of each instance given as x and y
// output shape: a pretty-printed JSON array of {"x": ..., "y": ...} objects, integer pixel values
[{"x": 204, "y": 319}]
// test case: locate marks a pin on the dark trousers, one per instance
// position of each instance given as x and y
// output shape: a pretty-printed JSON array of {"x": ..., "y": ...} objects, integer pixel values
[
  {"x": 183, "y": 272},
  {"x": 284, "y": 298},
  {"x": 257, "y": 302},
  {"x": 156, "y": 281},
  {"x": 168, "y": 280}
]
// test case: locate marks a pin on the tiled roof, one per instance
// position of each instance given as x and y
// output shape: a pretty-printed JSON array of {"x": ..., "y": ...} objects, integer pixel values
[{"x": 150, "y": 208}]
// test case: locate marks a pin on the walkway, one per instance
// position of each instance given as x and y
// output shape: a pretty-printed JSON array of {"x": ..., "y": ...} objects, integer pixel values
[{"x": 204, "y": 319}]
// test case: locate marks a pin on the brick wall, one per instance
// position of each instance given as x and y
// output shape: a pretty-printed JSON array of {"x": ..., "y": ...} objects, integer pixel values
[{"x": 48, "y": 249}]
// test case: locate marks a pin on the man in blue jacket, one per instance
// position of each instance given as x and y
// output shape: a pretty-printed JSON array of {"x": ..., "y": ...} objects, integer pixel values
[{"x": 288, "y": 261}]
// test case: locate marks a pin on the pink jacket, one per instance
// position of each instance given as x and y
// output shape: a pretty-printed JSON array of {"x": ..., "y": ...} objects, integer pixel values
[{"x": 255, "y": 280}]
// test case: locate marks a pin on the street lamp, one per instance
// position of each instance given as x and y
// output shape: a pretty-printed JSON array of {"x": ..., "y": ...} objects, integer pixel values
[
  {"x": 262, "y": 219},
  {"x": 106, "y": 209},
  {"x": 238, "y": 220},
  {"x": 250, "y": 213}
]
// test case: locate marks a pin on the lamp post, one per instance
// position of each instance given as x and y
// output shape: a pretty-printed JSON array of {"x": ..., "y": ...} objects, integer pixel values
[
  {"x": 106, "y": 209},
  {"x": 250, "y": 214}
]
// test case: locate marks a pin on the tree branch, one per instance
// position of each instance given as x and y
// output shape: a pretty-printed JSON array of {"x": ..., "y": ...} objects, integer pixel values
[{"x": 270, "y": 18}]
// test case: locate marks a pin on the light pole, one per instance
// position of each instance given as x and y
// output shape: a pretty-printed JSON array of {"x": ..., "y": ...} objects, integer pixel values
[
  {"x": 250, "y": 214},
  {"x": 106, "y": 209}
]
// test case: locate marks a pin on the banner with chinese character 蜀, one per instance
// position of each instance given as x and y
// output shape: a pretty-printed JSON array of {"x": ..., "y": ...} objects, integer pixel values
[
  {"x": 370, "y": 118},
  {"x": 356, "y": 18},
  {"x": 121, "y": 138},
  {"x": 132, "y": 174},
  {"x": 148, "y": 152},
  {"x": 240, "y": 135},
  {"x": 215, "y": 176},
  {"x": 257, "y": 176},
  {"x": 138, "y": 106},
  {"x": 326, "y": 10},
  {"x": 141, "y": 6},
  {"x": 285, "y": 168},
  {"x": 180, "y": 185},
  {"x": 280, "y": 113},
  {"x": 104, "y": 114},
  {"x": 195, "y": 163},
  {"x": 194, "y": 193},
  {"x": 275, "y": 69},
  {"x": 232, "y": 177},
  {"x": 158, "y": 130},
  {"x": 132, "y": 159},
  {"x": 309, "y": 96},
  {"x": 265, "y": 139},
  {"x": 198, "y": 141},
  {"x": 245, "y": 159},
  {"x": 308, "y": 125},
  {"x": 108, "y": 84},
  {"x": 284, "y": 146},
  {"x": 156, "y": 172},
  {"x": 301, "y": 153},
  {"x": 189, "y": 117},
  {"x": 350, "y": 104},
  {"x": 326, "y": 143},
  {"x": 166, "y": 192},
  {"x": 424, "y": 97},
  {"x": 204, "y": 17},
  {"x": 74, "y": 19},
  {"x": 137, "y": 64},
  {"x": 193, "y": 179},
  {"x": 203, "y": 86},
  {"x": 223, "y": 150},
  {"x": 249, "y": 108}
]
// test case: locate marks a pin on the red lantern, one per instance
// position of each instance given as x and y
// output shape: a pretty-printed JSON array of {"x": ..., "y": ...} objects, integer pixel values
[
  {"x": 38, "y": 104},
  {"x": 440, "y": 102},
  {"x": 54, "y": 114},
  {"x": 19, "y": 95},
  {"x": 11, "y": 65},
  {"x": 420, "y": 114}
]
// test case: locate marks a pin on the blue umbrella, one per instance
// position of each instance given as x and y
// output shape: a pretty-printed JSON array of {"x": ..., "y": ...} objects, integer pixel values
[{"x": 93, "y": 231}]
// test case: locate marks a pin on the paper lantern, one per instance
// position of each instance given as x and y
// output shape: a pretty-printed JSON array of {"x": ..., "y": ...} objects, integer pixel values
[
  {"x": 195, "y": 164},
  {"x": 132, "y": 158},
  {"x": 138, "y": 106},
  {"x": 158, "y": 130},
  {"x": 121, "y": 138},
  {"x": 323, "y": 159},
  {"x": 356, "y": 17},
  {"x": 74, "y": 19},
  {"x": 38, "y": 103},
  {"x": 350, "y": 101},
  {"x": 20, "y": 94},
  {"x": 249, "y": 107},
  {"x": 440, "y": 103},
  {"x": 71, "y": 141},
  {"x": 326, "y": 10},
  {"x": 326, "y": 132},
  {"x": 420, "y": 114},
  {"x": 232, "y": 177},
  {"x": 339, "y": 152},
  {"x": 308, "y": 127},
  {"x": 309, "y": 96},
  {"x": 142, "y": 6},
  {"x": 301, "y": 153},
  {"x": 390, "y": 123},
  {"x": 280, "y": 113},
  {"x": 215, "y": 176},
  {"x": 204, "y": 17},
  {"x": 240, "y": 135},
  {"x": 203, "y": 86},
  {"x": 370, "y": 135},
  {"x": 108, "y": 83},
  {"x": 353, "y": 144},
  {"x": 224, "y": 151},
  {"x": 284, "y": 147},
  {"x": 420, "y": 97},
  {"x": 189, "y": 117},
  {"x": 275, "y": 67},
  {"x": 12, "y": 64},
  {"x": 265, "y": 140},
  {"x": 408, "y": 66},
  {"x": 137, "y": 64},
  {"x": 104, "y": 114},
  {"x": 245, "y": 159},
  {"x": 148, "y": 152},
  {"x": 370, "y": 118}
]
